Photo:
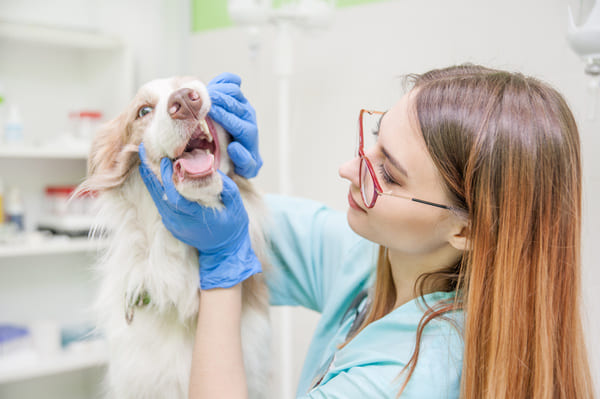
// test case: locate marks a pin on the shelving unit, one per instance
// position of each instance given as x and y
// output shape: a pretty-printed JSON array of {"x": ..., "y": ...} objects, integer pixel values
[
  {"x": 86, "y": 40},
  {"x": 78, "y": 65},
  {"x": 46, "y": 152},
  {"x": 66, "y": 361},
  {"x": 52, "y": 246}
]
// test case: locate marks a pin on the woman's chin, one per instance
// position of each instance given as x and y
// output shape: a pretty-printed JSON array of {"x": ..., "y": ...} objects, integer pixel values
[{"x": 356, "y": 224}]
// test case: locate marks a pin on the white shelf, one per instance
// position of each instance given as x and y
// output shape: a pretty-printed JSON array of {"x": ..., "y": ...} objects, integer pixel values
[
  {"x": 51, "y": 246},
  {"x": 23, "y": 152},
  {"x": 27, "y": 367},
  {"x": 63, "y": 37}
]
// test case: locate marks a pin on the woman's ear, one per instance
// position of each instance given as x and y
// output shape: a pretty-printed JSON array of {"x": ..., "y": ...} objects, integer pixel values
[{"x": 459, "y": 236}]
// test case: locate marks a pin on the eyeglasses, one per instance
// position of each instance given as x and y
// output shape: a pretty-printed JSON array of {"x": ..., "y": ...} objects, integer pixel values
[{"x": 370, "y": 188}]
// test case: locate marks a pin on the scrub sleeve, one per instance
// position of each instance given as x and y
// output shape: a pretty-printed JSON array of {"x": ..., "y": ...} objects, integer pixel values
[{"x": 319, "y": 263}]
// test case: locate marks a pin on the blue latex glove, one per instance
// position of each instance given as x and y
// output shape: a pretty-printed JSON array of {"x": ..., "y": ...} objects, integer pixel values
[
  {"x": 232, "y": 110},
  {"x": 221, "y": 236}
]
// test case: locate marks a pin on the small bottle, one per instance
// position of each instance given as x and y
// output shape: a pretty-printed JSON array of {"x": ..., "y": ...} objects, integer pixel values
[
  {"x": 2, "y": 112},
  {"x": 13, "y": 127},
  {"x": 1, "y": 202},
  {"x": 14, "y": 208}
]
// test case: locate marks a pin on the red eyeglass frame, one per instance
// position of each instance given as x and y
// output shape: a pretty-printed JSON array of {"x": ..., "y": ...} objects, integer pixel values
[{"x": 376, "y": 186}]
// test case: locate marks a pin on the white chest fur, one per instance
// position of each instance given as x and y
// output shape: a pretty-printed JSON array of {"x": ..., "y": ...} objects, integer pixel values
[{"x": 150, "y": 357}]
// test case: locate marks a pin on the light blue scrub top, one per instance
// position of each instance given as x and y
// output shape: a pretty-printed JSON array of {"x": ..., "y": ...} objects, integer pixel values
[{"x": 318, "y": 262}]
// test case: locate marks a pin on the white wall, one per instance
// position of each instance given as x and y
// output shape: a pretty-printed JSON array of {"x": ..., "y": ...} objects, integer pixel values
[{"x": 354, "y": 64}]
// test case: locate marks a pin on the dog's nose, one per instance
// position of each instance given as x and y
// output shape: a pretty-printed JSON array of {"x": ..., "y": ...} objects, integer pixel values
[{"x": 184, "y": 104}]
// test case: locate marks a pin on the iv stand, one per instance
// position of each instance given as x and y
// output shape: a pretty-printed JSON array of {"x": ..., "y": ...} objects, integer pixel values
[{"x": 308, "y": 14}]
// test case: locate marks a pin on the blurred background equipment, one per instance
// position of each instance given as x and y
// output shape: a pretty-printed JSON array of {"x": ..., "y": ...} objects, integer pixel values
[
  {"x": 584, "y": 37},
  {"x": 303, "y": 16}
]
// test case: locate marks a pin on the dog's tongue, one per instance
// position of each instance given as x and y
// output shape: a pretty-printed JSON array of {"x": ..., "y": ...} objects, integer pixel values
[{"x": 195, "y": 163}]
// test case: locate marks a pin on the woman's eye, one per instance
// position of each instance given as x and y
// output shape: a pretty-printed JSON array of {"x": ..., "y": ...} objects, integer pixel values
[
  {"x": 386, "y": 176},
  {"x": 145, "y": 110}
]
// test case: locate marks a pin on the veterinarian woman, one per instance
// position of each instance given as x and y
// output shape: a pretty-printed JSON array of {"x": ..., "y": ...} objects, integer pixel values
[{"x": 463, "y": 228}]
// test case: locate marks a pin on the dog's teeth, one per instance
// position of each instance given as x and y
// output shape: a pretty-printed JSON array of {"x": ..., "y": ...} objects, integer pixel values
[{"x": 206, "y": 130}]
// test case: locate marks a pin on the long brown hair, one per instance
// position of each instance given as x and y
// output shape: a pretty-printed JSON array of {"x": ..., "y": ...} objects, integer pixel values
[{"x": 507, "y": 148}]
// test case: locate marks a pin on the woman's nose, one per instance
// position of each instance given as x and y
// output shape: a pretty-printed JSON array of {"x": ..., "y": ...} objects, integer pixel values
[{"x": 350, "y": 171}]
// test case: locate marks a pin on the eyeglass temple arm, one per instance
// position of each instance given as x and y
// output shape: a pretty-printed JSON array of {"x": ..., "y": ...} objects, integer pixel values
[
  {"x": 431, "y": 203},
  {"x": 414, "y": 199}
]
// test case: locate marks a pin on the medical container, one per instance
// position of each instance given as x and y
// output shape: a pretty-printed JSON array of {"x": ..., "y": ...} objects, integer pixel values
[
  {"x": 13, "y": 339},
  {"x": 85, "y": 123},
  {"x": 13, "y": 127},
  {"x": 65, "y": 214},
  {"x": 2, "y": 111},
  {"x": 1, "y": 201},
  {"x": 15, "y": 210}
]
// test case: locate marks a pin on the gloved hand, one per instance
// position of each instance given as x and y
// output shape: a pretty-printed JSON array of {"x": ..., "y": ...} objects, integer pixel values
[
  {"x": 221, "y": 236},
  {"x": 232, "y": 110}
]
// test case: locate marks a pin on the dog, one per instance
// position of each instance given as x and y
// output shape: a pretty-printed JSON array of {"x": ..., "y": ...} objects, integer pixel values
[{"x": 148, "y": 297}]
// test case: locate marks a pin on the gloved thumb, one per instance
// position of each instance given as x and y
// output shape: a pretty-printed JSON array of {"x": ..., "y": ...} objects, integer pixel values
[
  {"x": 148, "y": 177},
  {"x": 242, "y": 160},
  {"x": 174, "y": 198},
  {"x": 231, "y": 194}
]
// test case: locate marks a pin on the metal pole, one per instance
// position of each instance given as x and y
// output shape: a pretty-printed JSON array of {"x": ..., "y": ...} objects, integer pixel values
[{"x": 283, "y": 69}]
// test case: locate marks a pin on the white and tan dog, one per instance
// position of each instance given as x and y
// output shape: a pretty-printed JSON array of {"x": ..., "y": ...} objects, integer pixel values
[{"x": 148, "y": 296}]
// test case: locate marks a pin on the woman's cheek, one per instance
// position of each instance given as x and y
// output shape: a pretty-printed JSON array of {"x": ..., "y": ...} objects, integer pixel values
[{"x": 413, "y": 233}]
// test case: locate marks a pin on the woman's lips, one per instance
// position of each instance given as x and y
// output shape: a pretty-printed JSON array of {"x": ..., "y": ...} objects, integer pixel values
[{"x": 353, "y": 203}]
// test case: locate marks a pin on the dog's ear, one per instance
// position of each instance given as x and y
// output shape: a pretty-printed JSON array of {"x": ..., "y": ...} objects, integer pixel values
[{"x": 111, "y": 157}]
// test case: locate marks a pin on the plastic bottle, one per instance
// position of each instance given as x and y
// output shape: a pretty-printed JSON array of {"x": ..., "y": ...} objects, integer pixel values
[
  {"x": 1, "y": 202},
  {"x": 13, "y": 127},
  {"x": 14, "y": 208},
  {"x": 2, "y": 111}
]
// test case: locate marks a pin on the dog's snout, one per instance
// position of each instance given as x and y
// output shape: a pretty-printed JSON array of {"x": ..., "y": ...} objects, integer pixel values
[{"x": 184, "y": 104}]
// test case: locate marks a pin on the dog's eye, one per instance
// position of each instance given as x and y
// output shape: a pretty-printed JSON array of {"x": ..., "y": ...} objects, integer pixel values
[{"x": 145, "y": 110}]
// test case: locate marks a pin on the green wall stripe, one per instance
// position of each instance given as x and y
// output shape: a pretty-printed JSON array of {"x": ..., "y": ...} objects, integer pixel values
[
  {"x": 212, "y": 14},
  {"x": 209, "y": 14},
  {"x": 348, "y": 3}
]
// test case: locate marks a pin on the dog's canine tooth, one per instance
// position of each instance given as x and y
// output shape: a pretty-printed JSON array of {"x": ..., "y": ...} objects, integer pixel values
[{"x": 206, "y": 130}]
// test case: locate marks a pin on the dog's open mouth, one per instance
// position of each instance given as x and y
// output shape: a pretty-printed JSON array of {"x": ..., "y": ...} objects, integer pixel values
[{"x": 201, "y": 155}]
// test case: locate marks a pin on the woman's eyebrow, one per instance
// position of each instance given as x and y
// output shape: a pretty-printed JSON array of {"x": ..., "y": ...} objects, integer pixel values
[{"x": 394, "y": 162}]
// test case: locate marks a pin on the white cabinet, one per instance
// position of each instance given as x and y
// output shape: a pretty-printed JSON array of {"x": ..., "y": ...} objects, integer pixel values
[{"x": 50, "y": 72}]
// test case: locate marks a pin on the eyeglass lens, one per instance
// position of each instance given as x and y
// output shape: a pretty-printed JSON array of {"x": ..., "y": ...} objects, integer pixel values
[
  {"x": 367, "y": 188},
  {"x": 370, "y": 126}
]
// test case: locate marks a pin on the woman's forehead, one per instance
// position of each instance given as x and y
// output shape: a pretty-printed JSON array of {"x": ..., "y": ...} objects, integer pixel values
[
  {"x": 402, "y": 113},
  {"x": 401, "y": 137},
  {"x": 399, "y": 125}
]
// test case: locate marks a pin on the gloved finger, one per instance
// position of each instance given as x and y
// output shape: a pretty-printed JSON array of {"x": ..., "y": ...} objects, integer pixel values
[
  {"x": 175, "y": 199},
  {"x": 226, "y": 77},
  {"x": 142, "y": 153},
  {"x": 149, "y": 178},
  {"x": 152, "y": 184},
  {"x": 244, "y": 163},
  {"x": 243, "y": 131},
  {"x": 221, "y": 113},
  {"x": 228, "y": 89},
  {"x": 231, "y": 194},
  {"x": 235, "y": 107}
]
